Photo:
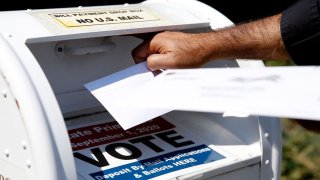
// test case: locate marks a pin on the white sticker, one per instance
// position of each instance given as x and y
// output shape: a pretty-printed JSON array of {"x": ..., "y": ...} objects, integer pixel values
[{"x": 102, "y": 17}]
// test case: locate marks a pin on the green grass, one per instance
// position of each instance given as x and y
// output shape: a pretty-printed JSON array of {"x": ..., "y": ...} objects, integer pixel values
[{"x": 300, "y": 153}]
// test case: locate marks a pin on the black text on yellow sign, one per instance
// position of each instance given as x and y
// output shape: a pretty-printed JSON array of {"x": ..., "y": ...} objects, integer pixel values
[{"x": 92, "y": 18}]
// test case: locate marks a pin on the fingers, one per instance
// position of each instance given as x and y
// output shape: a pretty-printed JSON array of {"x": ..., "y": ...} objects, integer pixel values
[
  {"x": 141, "y": 52},
  {"x": 155, "y": 61},
  {"x": 157, "y": 51},
  {"x": 160, "y": 61}
]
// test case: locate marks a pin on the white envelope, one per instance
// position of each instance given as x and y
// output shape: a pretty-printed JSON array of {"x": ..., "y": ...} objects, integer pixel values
[{"x": 113, "y": 88}]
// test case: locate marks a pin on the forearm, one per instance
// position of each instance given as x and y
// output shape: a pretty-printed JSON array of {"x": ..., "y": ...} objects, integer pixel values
[{"x": 254, "y": 40}]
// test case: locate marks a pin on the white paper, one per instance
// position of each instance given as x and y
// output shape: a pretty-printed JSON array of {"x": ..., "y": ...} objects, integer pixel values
[
  {"x": 115, "y": 87},
  {"x": 292, "y": 92}
]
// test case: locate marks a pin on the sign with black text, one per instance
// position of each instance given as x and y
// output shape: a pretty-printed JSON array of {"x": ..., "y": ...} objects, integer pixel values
[
  {"x": 102, "y": 17},
  {"x": 156, "y": 149}
]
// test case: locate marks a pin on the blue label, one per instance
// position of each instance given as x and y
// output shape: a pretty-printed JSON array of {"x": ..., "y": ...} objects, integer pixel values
[{"x": 157, "y": 166}]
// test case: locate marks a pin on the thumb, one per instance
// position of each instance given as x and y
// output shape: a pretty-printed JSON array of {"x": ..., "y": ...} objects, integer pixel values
[{"x": 159, "y": 61}]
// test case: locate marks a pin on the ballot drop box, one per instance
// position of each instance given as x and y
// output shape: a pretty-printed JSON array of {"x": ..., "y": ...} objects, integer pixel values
[{"x": 52, "y": 128}]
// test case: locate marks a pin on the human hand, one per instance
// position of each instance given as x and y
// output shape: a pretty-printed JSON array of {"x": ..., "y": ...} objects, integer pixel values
[{"x": 171, "y": 50}]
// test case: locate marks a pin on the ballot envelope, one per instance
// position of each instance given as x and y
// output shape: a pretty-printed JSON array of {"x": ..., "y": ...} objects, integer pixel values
[{"x": 53, "y": 128}]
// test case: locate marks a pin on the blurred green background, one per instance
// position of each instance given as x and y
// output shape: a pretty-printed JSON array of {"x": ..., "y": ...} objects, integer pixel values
[{"x": 300, "y": 152}]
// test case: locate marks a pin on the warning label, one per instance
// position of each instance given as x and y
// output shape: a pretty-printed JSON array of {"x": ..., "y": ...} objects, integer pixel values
[{"x": 102, "y": 17}]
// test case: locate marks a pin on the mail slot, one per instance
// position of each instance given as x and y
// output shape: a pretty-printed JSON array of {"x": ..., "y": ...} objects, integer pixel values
[{"x": 53, "y": 128}]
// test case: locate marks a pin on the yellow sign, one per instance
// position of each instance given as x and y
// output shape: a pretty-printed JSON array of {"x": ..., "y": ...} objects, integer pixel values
[{"x": 102, "y": 17}]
